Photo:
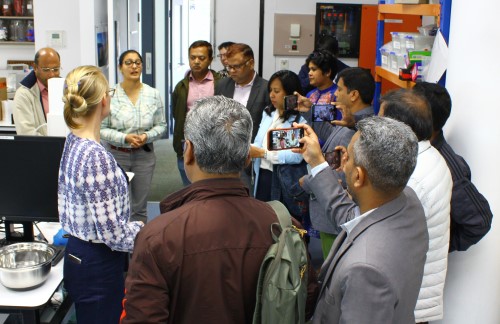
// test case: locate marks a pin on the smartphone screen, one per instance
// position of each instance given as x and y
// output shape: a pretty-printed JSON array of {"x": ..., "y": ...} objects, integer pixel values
[
  {"x": 284, "y": 138},
  {"x": 291, "y": 102},
  {"x": 324, "y": 113},
  {"x": 333, "y": 158}
]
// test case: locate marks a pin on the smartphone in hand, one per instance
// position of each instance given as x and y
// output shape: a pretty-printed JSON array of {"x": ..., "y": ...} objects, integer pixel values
[
  {"x": 324, "y": 113},
  {"x": 291, "y": 102},
  {"x": 284, "y": 138},
  {"x": 333, "y": 158}
]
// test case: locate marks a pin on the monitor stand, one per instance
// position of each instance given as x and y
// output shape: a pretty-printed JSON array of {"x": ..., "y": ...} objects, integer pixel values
[{"x": 12, "y": 235}]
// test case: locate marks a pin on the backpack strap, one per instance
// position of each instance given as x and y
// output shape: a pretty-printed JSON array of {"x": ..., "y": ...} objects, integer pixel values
[{"x": 283, "y": 214}]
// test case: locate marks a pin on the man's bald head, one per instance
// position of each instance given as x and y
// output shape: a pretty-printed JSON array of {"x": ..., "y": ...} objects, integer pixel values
[{"x": 47, "y": 64}]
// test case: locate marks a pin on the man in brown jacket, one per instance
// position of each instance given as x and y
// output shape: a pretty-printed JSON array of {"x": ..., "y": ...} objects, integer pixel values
[{"x": 199, "y": 261}]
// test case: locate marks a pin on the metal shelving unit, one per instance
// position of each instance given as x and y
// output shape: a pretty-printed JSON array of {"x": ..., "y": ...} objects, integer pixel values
[{"x": 440, "y": 11}]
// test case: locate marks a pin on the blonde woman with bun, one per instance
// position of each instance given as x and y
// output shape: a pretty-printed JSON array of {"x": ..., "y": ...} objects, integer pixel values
[{"x": 94, "y": 203}]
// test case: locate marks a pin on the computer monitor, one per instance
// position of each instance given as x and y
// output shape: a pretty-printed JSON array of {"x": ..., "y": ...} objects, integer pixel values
[{"x": 29, "y": 169}]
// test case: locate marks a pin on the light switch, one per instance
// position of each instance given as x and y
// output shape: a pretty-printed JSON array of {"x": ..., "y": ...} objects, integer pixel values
[
  {"x": 295, "y": 30},
  {"x": 149, "y": 63}
]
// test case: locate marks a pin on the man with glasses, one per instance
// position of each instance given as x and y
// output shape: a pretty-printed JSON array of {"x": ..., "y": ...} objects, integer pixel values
[
  {"x": 223, "y": 59},
  {"x": 31, "y": 102},
  {"x": 246, "y": 87},
  {"x": 244, "y": 84}
]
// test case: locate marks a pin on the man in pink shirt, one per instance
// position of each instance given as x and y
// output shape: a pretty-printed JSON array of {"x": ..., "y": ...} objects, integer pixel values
[
  {"x": 198, "y": 83},
  {"x": 31, "y": 102}
]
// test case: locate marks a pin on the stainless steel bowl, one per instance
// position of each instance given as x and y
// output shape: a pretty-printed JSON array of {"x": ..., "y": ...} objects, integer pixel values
[{"x": 25, "y": 265}]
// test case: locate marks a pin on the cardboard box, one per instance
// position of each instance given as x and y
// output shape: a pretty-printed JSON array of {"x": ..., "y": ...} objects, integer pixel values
[{"x": 3, "y": 89}]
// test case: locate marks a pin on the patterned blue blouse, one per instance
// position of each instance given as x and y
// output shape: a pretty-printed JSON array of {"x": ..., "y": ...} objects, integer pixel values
[
  {"x": 93, "y": 195},
  {"x": 146, "y": 116}
]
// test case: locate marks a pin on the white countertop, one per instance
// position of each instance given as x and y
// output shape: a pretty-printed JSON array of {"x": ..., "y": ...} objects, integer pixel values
[
  {"x": 39, "y": 296},
  {"x": 33, "y": 298}
]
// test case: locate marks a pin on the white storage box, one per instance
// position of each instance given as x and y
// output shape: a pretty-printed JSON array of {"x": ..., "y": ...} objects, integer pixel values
[
  {"x": 385, "y": 52},
  {"x": 417, "y": 42},
  {"x": 397, "y": 61},
  {"x": 393, "y": 62},
  {"x": 396, "y": 40}
]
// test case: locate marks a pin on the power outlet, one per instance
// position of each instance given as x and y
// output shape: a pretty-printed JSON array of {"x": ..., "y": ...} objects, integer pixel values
[{"x": 284, "y": 64}]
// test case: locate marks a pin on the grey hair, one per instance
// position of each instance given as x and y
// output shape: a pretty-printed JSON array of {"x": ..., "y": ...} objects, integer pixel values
[
  {"x": 220, "y": 129},
  {"x": 387, "y": 149}
]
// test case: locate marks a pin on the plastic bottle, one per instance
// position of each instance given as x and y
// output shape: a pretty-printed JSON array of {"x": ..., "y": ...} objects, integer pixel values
[
  {"x": 18, "y": 8},
  {"x": 12, "y": 30},
  {"x": 4, "y": 31},
  {"x": 30, "y": 31},
  {"x": 29, "y": 8},
  {"x": 19, "y": 31},
  {"x": 7, "y": 8}
]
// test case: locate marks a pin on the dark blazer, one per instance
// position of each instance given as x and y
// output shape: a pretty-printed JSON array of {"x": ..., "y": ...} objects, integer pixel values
[
  {"x": 258, "y": 100},
  {"x": 374, "y": 274}
]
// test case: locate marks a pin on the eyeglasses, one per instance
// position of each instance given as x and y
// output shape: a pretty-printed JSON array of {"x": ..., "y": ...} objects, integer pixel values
[
  {"x": 237, "y": 66},
  {"x": 130, "y": 62},
  {"x": 53, "y": 70},
  {"x": 111, "y": 92}
]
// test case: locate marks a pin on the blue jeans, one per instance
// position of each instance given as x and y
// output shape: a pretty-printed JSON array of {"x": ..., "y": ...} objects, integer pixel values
[{"x": 180, "y": 166}]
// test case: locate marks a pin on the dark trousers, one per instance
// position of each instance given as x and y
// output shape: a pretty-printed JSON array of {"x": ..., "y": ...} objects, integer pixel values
[
  {"x": 264, "y": 184},
  {"x": 96, "y": 285}
]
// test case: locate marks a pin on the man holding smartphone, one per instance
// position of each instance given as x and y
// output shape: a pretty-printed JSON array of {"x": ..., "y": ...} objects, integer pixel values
[
  {"x": 374, "y": 270},
  {"x": 355, "y": 91}
]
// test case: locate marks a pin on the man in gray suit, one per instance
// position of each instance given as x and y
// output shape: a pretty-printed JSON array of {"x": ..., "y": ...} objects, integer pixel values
[
  {"x": 244, "y": 84},
  {"x": 374, "y": 270}
]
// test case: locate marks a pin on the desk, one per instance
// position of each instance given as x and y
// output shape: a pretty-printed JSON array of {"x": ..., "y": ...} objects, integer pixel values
[
  {"x": 31, "y": 303},
  {"x": 6, "y": 126},
  {"x": 7, "y": 130}
]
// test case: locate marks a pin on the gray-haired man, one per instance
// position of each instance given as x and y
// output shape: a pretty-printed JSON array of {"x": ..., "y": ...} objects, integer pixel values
[
  {"x": 375, "y": 267},
  {"x": 199, "y": 261}
]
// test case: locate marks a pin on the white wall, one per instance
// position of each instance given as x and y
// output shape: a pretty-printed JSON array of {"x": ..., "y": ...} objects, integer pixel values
[
  {"x": 472, "y": 292},
  {"x": 237, "y": 21},
  {"x": 13, "y": 52},
  {"x": 271, "y": 63},
  {"x": 160, "y": 48},
  {"x": 78, "y": 22},
  {"x": 244, "y": 14}
]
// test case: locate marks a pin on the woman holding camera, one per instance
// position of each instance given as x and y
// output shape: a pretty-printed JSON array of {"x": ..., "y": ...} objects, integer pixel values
[
  {"x": 136, "y": 120},
  {"x": 93, "y": 203},
  {"x": 268, "y": 186}
]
